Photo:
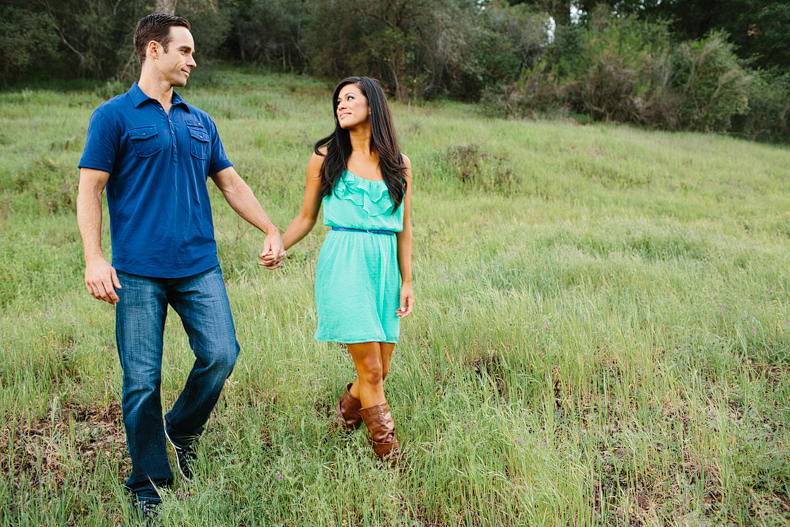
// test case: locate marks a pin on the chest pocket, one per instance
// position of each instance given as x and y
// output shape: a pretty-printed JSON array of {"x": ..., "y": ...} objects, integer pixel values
[
  {"x": 145, "y": 141},
  {"x": 198, "y": 142}
]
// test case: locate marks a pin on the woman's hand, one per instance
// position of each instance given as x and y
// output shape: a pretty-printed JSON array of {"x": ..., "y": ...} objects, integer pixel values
[{"x": 406, "y": 300}]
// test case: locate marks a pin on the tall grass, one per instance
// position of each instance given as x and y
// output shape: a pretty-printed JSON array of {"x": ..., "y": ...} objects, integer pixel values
[{"x": 601, "y": 333}]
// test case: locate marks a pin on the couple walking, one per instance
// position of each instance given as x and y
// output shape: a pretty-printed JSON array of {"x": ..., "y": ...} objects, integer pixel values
[{"x": 153, "y": 153}]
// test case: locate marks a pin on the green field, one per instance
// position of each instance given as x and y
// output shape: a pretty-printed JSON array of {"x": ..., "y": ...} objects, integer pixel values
[{"x": 601, "y": 334}]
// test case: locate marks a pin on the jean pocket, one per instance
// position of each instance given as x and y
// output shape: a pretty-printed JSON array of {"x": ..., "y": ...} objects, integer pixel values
[
  {"x": 145, "y": 141},
  {"x": 198, "y": 143}
]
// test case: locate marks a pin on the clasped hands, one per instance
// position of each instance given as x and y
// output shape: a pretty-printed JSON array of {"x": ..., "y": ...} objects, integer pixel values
[{"x": 273, "y": 252}]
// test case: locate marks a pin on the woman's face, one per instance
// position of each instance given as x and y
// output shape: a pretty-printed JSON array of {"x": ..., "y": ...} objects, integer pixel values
[{"x": 352, "y": 107}]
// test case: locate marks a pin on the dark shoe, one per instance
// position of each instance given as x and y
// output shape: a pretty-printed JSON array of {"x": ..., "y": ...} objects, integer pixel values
[
  {"x": 147, "y": 510},
  {"x": 185, "y": 457},
  {"x": 379, "y": 421},
  {"x": 347, "y": 409}
]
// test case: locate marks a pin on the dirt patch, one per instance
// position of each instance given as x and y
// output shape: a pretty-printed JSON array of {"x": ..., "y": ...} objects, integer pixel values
[
  {"x": 647, "y": 491},
  {"x": 492, "y": 366},
  {"x": 772, "y": 374},
  {"x": 40, "y": 451},
  {"x": 478, "y": 169}
]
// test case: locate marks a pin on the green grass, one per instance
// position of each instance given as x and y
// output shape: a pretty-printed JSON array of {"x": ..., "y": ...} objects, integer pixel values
[{"x": 602, "y": 331}]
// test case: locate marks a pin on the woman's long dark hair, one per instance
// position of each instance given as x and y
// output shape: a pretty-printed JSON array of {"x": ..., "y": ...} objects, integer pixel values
[{"x": 383, "y": 140}]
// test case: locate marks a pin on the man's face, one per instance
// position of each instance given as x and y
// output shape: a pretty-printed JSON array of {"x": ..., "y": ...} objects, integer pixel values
[{"x": 176, "y": 64}]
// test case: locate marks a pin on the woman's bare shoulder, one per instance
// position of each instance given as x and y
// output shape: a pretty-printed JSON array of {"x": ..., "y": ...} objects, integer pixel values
[
  {"x": 407, "y": 164},
  {"x": 318, "y": 157}
]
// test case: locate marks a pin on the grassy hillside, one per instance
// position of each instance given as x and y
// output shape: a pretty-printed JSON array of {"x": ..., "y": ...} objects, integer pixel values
[{"x": 601, "y": 336}]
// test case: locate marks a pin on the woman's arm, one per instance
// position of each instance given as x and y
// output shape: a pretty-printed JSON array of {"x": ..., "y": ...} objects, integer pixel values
[
  {"x": 305, "y": 220},
  {"x": 404, "y": 249}
]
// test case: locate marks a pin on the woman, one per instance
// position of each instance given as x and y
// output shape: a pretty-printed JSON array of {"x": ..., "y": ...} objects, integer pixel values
[{"x": 363, "y": 277}]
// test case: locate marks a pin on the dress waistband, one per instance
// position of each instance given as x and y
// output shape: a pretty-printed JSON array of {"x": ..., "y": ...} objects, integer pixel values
[{"x": 371, "y": 231}]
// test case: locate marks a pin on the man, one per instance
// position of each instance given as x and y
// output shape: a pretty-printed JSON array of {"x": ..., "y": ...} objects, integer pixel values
[{"x": 153, "y": 153}]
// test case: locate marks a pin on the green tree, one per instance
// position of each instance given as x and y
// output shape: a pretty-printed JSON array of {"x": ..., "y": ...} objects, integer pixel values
[
  {"x": 210, "y": 21},
  {"x": 414, "y": 46},
  {"x": 270, "y": 32},
  {"x": 761, "y": 33},
  {"x": 95, "y": 35},
  {"x": 758, "y": 28},
  {"x": 28, "y": 40},
  {"x": 559, "y": 10}
]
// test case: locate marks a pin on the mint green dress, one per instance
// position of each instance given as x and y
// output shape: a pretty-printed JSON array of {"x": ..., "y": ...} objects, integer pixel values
[{"x": 357, "y": 279}]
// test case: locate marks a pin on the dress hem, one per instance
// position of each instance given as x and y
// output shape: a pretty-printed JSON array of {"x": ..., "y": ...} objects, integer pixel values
[{"x": 354, "y": 341}]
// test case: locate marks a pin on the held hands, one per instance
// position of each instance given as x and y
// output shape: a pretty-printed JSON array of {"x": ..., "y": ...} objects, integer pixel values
[
  {"x": 102, "y": 280},
  {"x": 273, "y": 251},
  {"x": 406, "y": 300}
]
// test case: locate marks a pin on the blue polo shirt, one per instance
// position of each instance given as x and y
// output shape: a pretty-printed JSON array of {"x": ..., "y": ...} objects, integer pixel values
[{"x": 160, "y": 214}]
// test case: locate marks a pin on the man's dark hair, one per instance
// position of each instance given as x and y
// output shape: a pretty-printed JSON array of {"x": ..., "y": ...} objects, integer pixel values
[
  {"x": 155, "y": 27},
  {"x": 383, "y": 140}
]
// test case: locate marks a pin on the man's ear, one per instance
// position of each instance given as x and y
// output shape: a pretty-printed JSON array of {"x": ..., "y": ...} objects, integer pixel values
[{"x": 153, "y": 49}]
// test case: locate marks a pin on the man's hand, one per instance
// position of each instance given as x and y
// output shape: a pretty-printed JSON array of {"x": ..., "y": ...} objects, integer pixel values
[
  {"x": 102, "y": 280},
  {"x": 273, "y": 251}
]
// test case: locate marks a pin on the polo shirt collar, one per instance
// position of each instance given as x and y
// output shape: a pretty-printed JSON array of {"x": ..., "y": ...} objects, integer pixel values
[
  {"x": 177, "y": 100},
  {"x": 138, "y": 97}
]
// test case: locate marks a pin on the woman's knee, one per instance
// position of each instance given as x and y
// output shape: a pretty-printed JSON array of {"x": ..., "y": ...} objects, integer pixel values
[{"x": 370, "y": 372}]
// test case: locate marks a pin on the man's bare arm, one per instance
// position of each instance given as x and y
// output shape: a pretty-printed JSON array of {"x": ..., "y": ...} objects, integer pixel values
[
  {"x": 100, "y": 277},
  {"x": 241, "y": 198}
]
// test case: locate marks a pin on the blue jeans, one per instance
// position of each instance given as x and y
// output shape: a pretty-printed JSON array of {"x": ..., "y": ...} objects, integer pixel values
[{"x": 202, "y": 303}]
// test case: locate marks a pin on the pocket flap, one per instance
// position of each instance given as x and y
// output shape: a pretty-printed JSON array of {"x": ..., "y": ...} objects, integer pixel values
[
  {"x": 199, "y": 134},
  {"x": 143, "y": 133}
]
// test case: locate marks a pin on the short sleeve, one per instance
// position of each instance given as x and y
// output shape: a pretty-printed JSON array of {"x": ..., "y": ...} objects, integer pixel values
[
  {"x": 101, "y": 144},
  {"x": 219, "y": 160}
]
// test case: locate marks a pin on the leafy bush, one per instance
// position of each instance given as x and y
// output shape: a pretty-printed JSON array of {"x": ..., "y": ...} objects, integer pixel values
[
  {"x": 613, "y": 70},
  {"x": 659, "y": 103},
  {"x": 768, "y": 117},
  {"x": 536, "y": 93},
  {"x": 708, "y": 74},
  {"x": 627, "y": 70},
  {"x": 615, "y": 67},
  {"x": 607, "y": 90}
]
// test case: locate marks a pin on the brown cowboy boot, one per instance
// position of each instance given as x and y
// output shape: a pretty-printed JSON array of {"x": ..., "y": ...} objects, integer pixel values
[
  {"x": 347, "y": 409},
  {"x": 379, "y": 421}
]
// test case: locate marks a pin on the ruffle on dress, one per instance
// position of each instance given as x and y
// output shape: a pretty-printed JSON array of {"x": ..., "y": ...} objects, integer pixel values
[{"x": 370, "y": 195}]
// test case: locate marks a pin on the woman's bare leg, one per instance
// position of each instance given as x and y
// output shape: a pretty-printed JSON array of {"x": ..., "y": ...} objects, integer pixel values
[
  {"x": 385, "y": 353},
  {"x": 370, "y": 381}
]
